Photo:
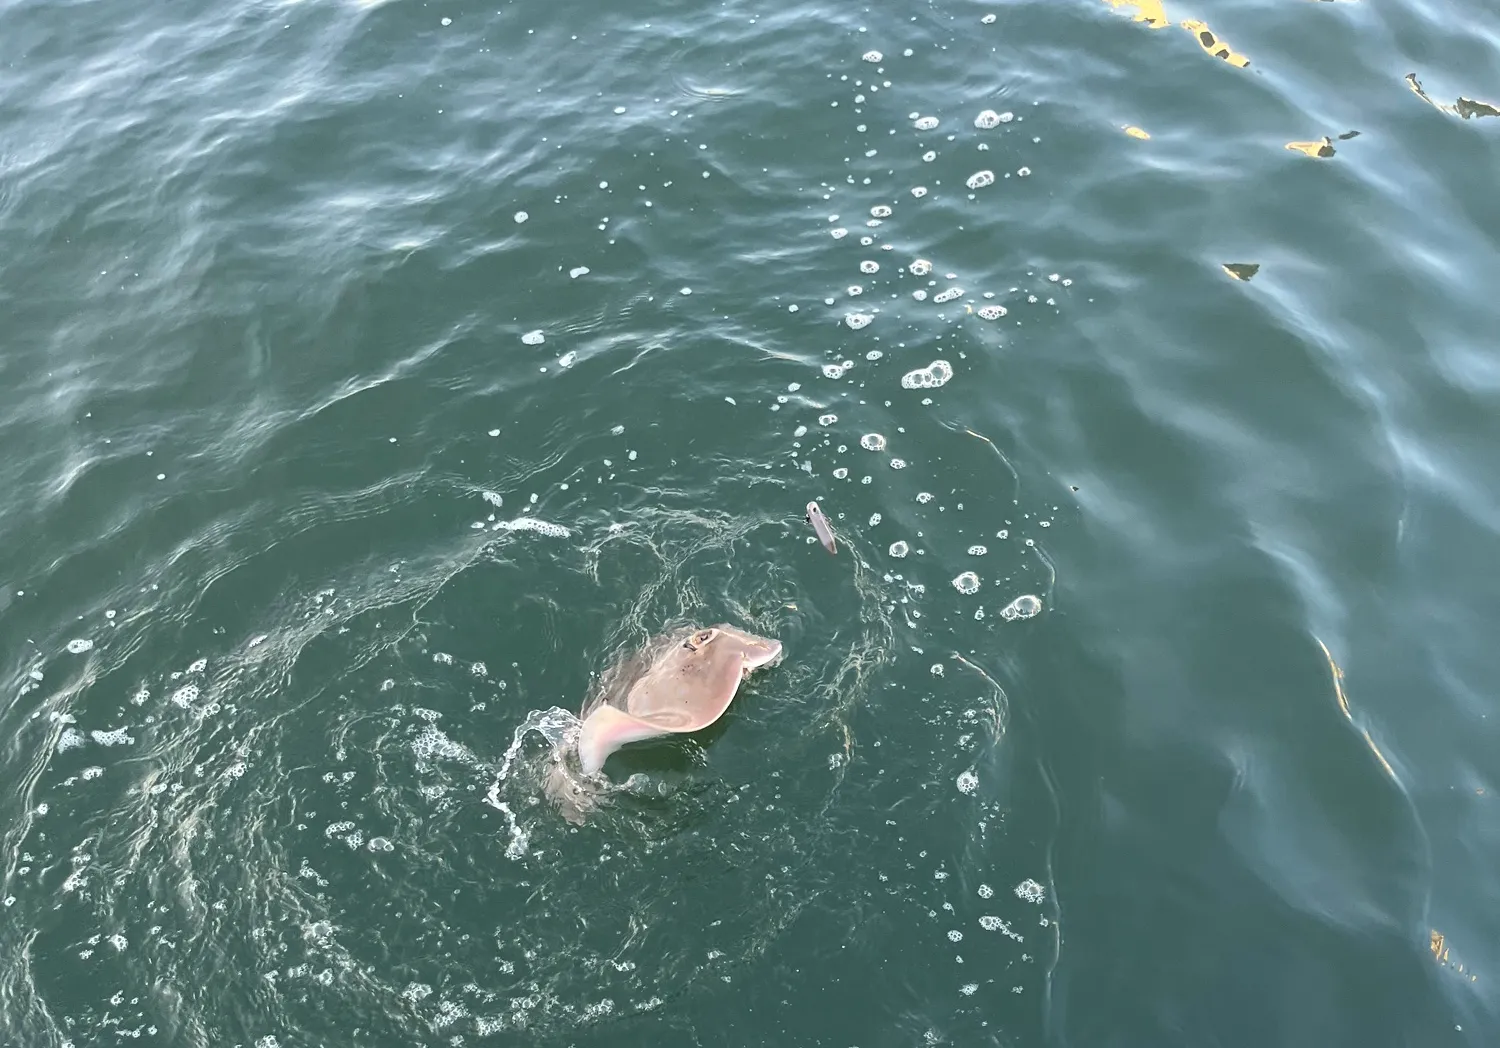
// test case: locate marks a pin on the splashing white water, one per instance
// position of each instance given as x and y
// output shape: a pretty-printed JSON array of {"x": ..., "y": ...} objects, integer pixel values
[{"x": 558, "y": 727}]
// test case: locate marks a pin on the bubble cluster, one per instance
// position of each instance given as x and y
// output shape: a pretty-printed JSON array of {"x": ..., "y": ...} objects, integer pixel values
[
  {"x": 79, "y": 646},
  {"x": 1023, "y": 607},
  {"x": 872, "y": 56},
  {"x": 872, "y": 442},
  {"x": 839, "y": 233},
  {"x": 834, "y": 371},
  {"x": 980, "y": 179},
  {"x": 995, "y": 924},
  {"x": 827, "y": 420},
  {"x": 1031, "y": 891},
  {"x": 967, "y": 782},
  {"x": 926, "y": 123},
  {"x": 932, "y": 376},
  {"x": 185, "y": 696},
  {"x": 899, "y": 549},
  {"x": 858, "y": 320},
  {"x": 991, "y": 312},
  {"x": 533, "y": 338},
  {"x": 118, "y": 737},
  {"x": 869, "y": 266},
  {"x": 880, "y": 211},
  {"x": 987, "y": 119},
  {"x": 920, "y": 268},
  {"x": 967, "y": 583},
  {"x": 919, "y": 191},
  {"x": 977, "y": 551},
  {"x": 948, "y": 295},
  {"x": 541, "y": 527}
]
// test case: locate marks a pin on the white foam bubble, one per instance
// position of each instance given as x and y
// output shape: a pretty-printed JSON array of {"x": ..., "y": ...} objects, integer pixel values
[
  {"x": 920, "y": 267},
  {"x": 967, "y": 583},
  {"x": 920, "y": 295},
  {"x": 858, "y": 320},
  {"x": 541, "y": 527},
  {"x": 980, "y": 179},
  {"x": 827, "y": 420},
  {"x": 834, "y": 371},
  {"x": 838, "y": 234},
  {"x": 948, "y": 295},
  {"x": 968, "y": 989},
  {"x": 380, "y": 844},
  {"x": 1023, "y": 172},
  {"x": 868, "y": 266},
  {"x": 933, "y": 375},
  {"x": 880, "y": 211},
  {"x": 995, "y": 924},
  {"x": 898, "y": 463},
  {"x": 578, "y": 271},
  {"x": 919, "y": 191},
  {"x": 872, "y": 442},
  {"x": 70, "y": 739},
  {"x": 79, "y": 646},
  {"x": 1031, "y": 891},
  {"x": 117, "y": 737},
  {"x": 987, "y": 119},
  {"x": 872, "y": 56},
  {"x": 967, "y": 782},
  {"x": 854, "y": 289},
  {"x": 926, "y": 123},
  {"x": 875, "y": 518},
  {"x": 954, "y": 935},
  {"x": 988, "y": 20},
  {"x": 977, "y": 551},
  {"x": 185, "y": 696},
  {"x": 433, "y": 744},
  {"x": 521, "y": 216},
  {"x": 1023, "y": 607},
  {"x": 899, "y": 549},
  {"x": 985, "y": 891},
  {"x": 991, "y": 312},
  {"x": 533, "y": 338}
]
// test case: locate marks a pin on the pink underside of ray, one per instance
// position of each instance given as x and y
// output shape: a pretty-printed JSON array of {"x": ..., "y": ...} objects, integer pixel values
[{"x": 606, "y": 730}]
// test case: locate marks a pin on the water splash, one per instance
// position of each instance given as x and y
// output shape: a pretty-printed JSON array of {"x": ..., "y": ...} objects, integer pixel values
[{"x": 560, "y": 729}]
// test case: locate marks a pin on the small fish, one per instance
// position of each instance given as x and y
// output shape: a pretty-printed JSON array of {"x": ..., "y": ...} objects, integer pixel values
[{"x": 820, "y": 527}]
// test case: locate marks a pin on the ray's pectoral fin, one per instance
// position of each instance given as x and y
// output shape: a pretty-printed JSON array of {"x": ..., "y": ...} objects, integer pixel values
[{"x": 606, "y": 730}]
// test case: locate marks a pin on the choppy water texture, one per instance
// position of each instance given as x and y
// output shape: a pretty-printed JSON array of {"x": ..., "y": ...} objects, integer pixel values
[{"x": 374, "y": 374}]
